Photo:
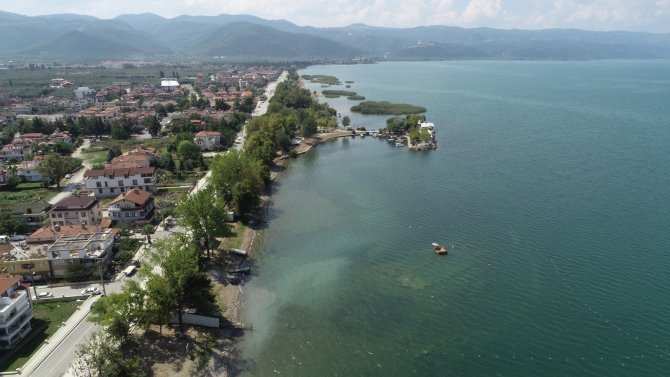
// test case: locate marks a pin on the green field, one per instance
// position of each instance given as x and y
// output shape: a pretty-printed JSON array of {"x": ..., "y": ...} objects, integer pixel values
[
  {"x": 35, "y": 194},
  {"x": 47, "y": 319},
  {"x": 386, "y": 108},
  {"x": 29, "y": 84}
]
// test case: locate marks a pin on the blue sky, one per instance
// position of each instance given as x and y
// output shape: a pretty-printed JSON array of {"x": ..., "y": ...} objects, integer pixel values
[{"x": 634, "y": 15}]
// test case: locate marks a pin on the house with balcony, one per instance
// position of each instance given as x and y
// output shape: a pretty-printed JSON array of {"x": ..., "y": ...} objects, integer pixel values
[
  {"x": 75, "y": 210},
  {"x": 31, "y": 215},
  {"x": 208, "y": 140},
  {"x": 16, "y": 311},
  {"x": 22, "y": 261},
  {"x": 132, "y": 206},
  {"x": 112, "y": 181},
  {"x": 83, "y": 249}
]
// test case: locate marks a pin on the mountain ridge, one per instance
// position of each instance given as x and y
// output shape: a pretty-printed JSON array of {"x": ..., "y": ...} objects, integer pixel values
[{"x": 147, "y": 35}]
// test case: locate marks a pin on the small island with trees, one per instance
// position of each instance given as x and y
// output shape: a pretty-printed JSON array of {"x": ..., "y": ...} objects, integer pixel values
[{"x": 386, "y": 108}]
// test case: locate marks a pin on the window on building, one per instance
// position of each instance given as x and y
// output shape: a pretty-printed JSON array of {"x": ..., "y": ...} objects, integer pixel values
[
  {"x": 134, "y": 182},
  {"x": 111, "y": 190},
  {"x": 99, "y": 191},
  {"x": 98, "y": 184},
  {"x": 120, "y": 183}
]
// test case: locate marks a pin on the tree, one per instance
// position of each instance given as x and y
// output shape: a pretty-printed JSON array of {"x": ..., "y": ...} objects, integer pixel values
[
  {"x": 205, "y": 214},
  {"x": 63, "y": 148},
  {"x": 8, "y": 225},
  {"x": 346, "y": 121},
  {"x": 113, "y": 151},
  {"x": 239, "y": 180},
  {"x": 102, "y": 357},
  {"x": 148, "y": 230},
  {"x": 180, "y": 284},
  {"x": 55, "y": 167},
  {"x": 188, "y": 150},
  {"x": 152, "y": 125}
]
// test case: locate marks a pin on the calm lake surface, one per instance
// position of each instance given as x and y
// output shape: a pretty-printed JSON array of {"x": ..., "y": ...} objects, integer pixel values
[{"x": 551, "y": 187}]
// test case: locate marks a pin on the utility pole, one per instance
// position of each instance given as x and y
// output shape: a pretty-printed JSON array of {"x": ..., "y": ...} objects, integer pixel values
[{"x": 102, "y": 281}]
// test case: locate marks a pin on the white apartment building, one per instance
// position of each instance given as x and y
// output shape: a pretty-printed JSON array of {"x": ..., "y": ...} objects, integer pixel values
[
  {"x": 112, "y": 181},
  {"x": 16, "y": 312}
]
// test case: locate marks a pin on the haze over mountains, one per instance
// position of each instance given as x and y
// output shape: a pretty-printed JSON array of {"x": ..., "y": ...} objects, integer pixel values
[{"x": 244, "y": 38}]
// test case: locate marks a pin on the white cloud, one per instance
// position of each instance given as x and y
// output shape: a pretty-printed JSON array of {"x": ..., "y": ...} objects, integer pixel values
[{"x": 478, "y": 9}]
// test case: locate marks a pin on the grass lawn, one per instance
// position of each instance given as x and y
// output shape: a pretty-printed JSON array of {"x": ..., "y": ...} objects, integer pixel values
[
  {"x": 235, "y": 241},
  {"x": 47, "y": 319},
  {"x": 94, "y": 156},
  {"x": 28, "y": 195}
]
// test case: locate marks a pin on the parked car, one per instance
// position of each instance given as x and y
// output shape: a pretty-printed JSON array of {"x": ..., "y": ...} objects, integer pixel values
[
  {"x": 68, "y": 176},
  {"x": 91, "y": 291},
  {"x": 45, "y": 294},
  {"x": 17, "y": 238}
]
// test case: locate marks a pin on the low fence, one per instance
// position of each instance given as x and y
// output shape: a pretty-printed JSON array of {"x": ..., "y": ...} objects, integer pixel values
[{"x": 197, "y": 320}]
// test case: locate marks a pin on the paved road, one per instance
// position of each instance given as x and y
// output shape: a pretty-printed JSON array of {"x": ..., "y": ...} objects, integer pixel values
[
  {"x": 58, "y": 363},
  {"x": 68, "y": 186}
]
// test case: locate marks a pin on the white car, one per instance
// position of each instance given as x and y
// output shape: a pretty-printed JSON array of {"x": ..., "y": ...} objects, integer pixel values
[
  {"x": 91, "y": 291},
  {"x": 68, "y": 176},
  {"x": 45, "y": 294}
]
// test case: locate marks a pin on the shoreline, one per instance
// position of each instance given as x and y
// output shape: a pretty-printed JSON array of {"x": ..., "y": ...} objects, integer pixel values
[{"x": 236, "y": 295}]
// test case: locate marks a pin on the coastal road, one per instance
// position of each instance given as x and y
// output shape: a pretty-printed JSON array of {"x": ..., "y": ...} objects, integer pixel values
[{"x": 58, "y": 362}]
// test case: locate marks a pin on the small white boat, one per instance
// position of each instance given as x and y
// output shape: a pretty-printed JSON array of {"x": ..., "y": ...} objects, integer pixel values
[{"x": 239, "y": 252}]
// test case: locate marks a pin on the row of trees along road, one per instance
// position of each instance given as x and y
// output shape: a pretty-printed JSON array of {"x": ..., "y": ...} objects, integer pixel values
[{"x": 175, "y": 284}]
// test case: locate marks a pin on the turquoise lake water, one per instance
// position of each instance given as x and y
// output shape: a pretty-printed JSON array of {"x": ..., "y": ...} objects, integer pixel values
[{"x": 551, "y": 187}]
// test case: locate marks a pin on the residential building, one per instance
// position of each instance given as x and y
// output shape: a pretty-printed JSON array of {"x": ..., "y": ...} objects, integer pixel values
[
  {"x": 169, "y": 85},
  {"x": 24, "y": 261},
  {"x": 112, "y": 181},
  {"x": 60, "y": 136},
  {"x": 84, "y": 249},
  {"x": 83, "y": 91},
  {"x": 75, "y": 210},
  {"x": 132, "y": 206},
  {"x": 16, "y": 312},
  {"x": 28, "y": 171},
  {"x": 208, "y": 140},
  {"x": 31, "y": 215},
  {"x": 142, "y": 156},
  {"x": 49, "y": 234}
]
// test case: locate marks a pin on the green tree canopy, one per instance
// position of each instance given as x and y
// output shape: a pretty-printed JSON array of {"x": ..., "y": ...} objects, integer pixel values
[
  {"x": 204, "y": 213},
  {"x": 55, "y": 167},
  {"x": 180, "y": 284},
  {"x": 239, "y": 180}
]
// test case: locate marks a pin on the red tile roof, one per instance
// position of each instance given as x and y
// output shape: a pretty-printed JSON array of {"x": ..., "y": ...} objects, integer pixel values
[
  {"x": 6, "y": 283},
  {"x": 50, "y": 234},
  {"x": 136, "y": 196},
  {"x": 207, "y": 134},
  {"x": 114, "y": 172}
]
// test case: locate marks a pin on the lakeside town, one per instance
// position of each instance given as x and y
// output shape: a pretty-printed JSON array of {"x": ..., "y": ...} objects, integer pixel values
[
  {"x": 100, "y": 182},
  {"x": 96, "y": 191}
]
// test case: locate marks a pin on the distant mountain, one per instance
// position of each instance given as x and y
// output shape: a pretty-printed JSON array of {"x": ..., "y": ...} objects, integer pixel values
[
  {"x": 248, "y": 41},
  {"x": 244, "y": 37}
]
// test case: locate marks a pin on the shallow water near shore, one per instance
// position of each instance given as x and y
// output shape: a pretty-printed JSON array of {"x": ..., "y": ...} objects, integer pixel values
[{"x": 550, "y": 188}]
